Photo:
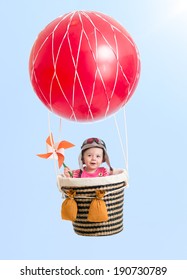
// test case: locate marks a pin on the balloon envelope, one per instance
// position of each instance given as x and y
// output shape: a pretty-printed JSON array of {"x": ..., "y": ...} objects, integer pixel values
[{"x": 84, "y": 66}]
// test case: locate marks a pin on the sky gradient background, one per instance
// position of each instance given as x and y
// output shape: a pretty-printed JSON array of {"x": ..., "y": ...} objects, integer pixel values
[{"x": 155, "y": 210}]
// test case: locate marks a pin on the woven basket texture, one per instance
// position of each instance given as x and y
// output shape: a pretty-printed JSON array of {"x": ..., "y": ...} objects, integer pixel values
[{"x": 114, "y": 199}]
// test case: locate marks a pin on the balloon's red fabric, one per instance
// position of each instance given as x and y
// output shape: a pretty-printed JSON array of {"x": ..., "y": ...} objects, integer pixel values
[{"x": 84, "y": 66}]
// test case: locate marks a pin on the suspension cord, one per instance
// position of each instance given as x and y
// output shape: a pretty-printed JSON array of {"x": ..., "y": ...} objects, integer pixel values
[
  {"x": 50, "y": 133},
  {"x": 123, "y": 147}
]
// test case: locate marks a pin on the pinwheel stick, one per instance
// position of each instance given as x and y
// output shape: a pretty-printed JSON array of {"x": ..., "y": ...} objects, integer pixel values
[{"x": 70, "y": 173}]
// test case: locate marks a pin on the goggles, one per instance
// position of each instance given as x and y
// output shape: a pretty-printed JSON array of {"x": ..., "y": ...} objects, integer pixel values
[{"x": 92, "y": 140}]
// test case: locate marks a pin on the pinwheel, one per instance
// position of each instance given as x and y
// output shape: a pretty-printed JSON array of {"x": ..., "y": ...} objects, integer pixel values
[{"x": 56, "y": 150}]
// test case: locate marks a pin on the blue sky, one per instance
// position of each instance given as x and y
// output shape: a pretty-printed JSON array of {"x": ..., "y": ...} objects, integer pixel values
[{"x": 155, "y": 210}]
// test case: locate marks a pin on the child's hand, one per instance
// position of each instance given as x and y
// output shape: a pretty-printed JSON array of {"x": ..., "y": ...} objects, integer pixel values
[{"x": 67, "y": 172}]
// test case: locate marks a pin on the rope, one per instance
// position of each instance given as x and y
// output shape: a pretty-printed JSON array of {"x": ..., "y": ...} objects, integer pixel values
[
  {"x": 50, "y": 133},
  {"x": 124, "y": 149},
  {"x": 60, "y": 130}
]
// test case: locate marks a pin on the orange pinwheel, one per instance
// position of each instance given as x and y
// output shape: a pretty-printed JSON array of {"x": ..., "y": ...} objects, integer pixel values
[{"x": 56, "y": 150}]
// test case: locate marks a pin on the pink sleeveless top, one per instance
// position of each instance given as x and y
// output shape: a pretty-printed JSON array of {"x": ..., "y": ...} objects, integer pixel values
[{"x": 100, "y": 172}]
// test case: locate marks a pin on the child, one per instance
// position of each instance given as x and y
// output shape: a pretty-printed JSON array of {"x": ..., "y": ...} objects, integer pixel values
[{"x": 93, "y": 153}]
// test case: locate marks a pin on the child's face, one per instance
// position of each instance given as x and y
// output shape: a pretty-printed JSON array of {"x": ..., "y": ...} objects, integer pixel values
[{"x": 93, "y": 158}]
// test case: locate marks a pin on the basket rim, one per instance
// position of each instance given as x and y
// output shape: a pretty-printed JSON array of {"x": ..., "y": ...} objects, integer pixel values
[{"x": 118, "y": 176}]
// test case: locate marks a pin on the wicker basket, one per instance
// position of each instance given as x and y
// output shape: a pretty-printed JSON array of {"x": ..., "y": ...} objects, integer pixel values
[{"x": 85, "y": 188}]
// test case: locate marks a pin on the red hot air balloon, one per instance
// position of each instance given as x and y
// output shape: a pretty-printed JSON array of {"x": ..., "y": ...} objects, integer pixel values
[{"x": 84, "y": 66}]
